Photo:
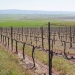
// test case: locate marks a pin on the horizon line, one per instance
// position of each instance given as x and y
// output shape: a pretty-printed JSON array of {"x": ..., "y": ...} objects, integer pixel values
[{"x": 40, "y": 10}]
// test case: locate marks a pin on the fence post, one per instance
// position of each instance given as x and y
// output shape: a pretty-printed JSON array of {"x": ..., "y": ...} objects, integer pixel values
[
  {"x": 3, "y": 39},
  {"x": 36, "y": 40},
  {"x": 42, "y": 37},
  {"x": 11, "y": 38},
  {"x": 59, "y": 32},
  {"x": 1, "y": 34},
  {"x": 33, "y": 56},
  {"x": 8, "y": 42},
  {"x": 50, "y": 52},
  {"x": 61, "y": 40},
  {"x": 74, "y": 35},
  {"x": 54, "y": 37},
  {"x": 66, "y": 33},
  {"x": 22, "y": 33},
  {"x": 70, "y": 38},
  {"x": 23, "y": 50},
  {"x": 52, "y": 44},
  {"x": 16, "y": 47},
  {"x": 30, "y": 37},
  {"x": 64, "y": 47}
]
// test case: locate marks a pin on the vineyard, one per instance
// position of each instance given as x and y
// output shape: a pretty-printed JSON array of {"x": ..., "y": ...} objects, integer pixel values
[{"x": 41, "y": 49}]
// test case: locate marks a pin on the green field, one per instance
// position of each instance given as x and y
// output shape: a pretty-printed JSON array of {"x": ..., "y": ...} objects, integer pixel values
[
  {"x": 28, "y": 23},
  {"x": 10, "y": 65},
  {"x": 33, "y": 21}
]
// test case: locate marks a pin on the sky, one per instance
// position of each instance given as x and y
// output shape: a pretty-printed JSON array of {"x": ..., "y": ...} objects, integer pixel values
[{"x": 47, "y": 5}]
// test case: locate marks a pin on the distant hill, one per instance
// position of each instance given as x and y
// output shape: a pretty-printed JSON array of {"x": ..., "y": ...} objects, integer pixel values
[{"x": 13, "y": 11}]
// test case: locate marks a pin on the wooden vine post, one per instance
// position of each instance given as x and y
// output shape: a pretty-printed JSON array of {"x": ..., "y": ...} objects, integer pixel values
[
  {"x": 22, "y": 33},
  {"x": 16, "y": 47},
  {"x": 33, "y": 50},
  {"x": 70, "y": 38},
  {"x": 42, "y": 38},
  {"x": 23, "y": 50},
  {"x": 11, "y": 38},
  {"x": 50, "y": 52},
  {"x": 1, "y": 33},
  {"x": 64, "y": 48}
]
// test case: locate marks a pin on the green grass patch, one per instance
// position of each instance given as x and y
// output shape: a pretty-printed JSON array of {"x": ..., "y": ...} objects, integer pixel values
[
  {"x": 9, "y": 65},
  {"x": 59, "y": 63},
  {"x": 35, "y": 23},
  {"x": 63, "y": 66},
  {"x": 27, "y": 23}
]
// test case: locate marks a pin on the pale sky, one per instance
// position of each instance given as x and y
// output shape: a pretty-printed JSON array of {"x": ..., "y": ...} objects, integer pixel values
[{"x": 48, "y": 5}]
